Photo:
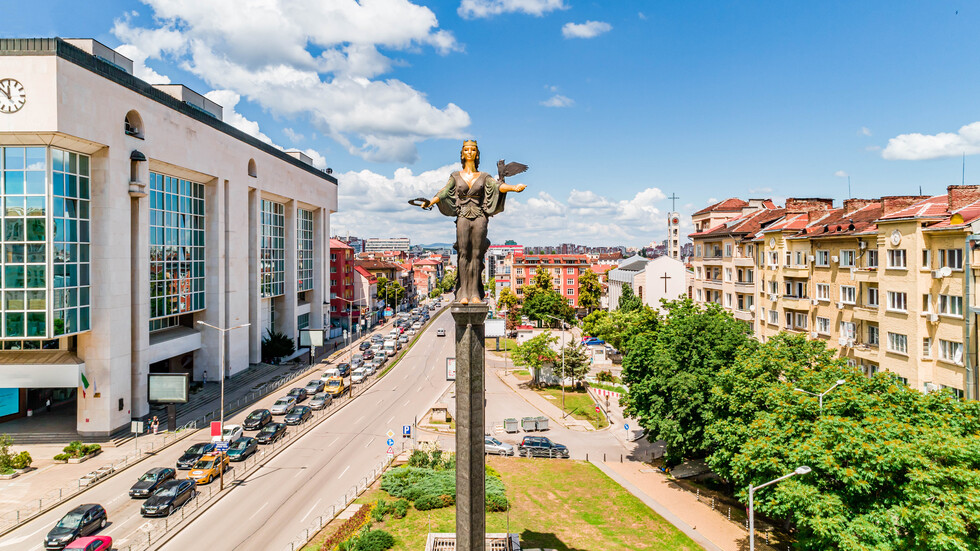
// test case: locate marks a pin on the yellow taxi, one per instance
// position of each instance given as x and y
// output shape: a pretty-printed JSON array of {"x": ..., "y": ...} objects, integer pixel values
[{"x": 208, "y": 468}]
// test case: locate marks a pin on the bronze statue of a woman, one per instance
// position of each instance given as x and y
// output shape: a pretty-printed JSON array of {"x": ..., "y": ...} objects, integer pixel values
[{"x": 472, "y": 197}]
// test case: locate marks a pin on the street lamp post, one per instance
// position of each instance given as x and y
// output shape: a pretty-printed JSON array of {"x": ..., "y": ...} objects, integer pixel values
[
  {"x": 350, "y": 328},
  {"x": 221, "y": 370},
  {"x": 802, "y": 469},
  {"x": 821, "y": 395},
  {"x": 563, "y": 324}
]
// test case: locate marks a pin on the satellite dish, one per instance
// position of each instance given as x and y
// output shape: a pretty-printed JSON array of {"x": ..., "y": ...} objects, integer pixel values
[
  {"x": 945, "y": 271},
  {"x": 752, "y": 308}
]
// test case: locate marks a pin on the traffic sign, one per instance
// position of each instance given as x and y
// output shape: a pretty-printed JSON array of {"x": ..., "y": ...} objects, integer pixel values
[
  {"x": 221, "y": 446},
  {"x": 626, "y": 426},
  {"x": 390, "y": 442},
  {"x": 390, "y": 433},
  {"x": 597, "y": 408},
  {"x": 391, "y": 451},
  {"x": 406, "y": 430},
  {"x": 136, "y": 427},
  {"x": 215, "y": 428}
]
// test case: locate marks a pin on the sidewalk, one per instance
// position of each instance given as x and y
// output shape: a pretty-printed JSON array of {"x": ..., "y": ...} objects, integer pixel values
[{"x": 543, "y": 405}]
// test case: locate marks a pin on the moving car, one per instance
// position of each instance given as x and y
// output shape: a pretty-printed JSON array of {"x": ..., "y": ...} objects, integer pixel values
[
  {"x": 440, "y": 332},
  {"x": 230, "y": 433},
  {"x": 330, "y": 372},
  {"x": 242, "y": 448},
  {"x": 209, "y": 468},
  {"x": 390, "y": 349},
  {"x": 493, "y": 446},
  {"x": 359, "y": 375},
  {"x": 298, "y": 393},
  {"x": 376, "y": 339},
  {"x": 270, "y": 433},
  {"x": 313, "y": 387},
  {"x": 257, "y": 419},
  {"x": 80, "y": 521},
  {"x": 193, "y": 454},
  {"x": 283, "y": 405},
  {"x": 165, "y": 500},
  {"x": 151, "y": 480},
  {"x": 320, "y": 401},
  {"x": 364, "y": 345},
  {"x": 404, "y": 338},
  {"x": 417, "y": 325},
  {"x": 541, "y": 446},
  {"x": 335, "y": 387},
  {"x": 344, "y": 369},
  {"x": 91, "y": 543},
  {"x": 300, "y": 414},
  {"x": 368, "y": 355}
]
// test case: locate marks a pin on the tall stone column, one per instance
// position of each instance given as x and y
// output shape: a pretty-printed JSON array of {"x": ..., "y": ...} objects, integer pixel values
[{"x": 470, "y": 414}]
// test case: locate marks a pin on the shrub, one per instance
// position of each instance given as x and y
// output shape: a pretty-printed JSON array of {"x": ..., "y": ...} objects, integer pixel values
[
  {"x": 400, "y": 509},
  {"x": 61, "y": 457},
  {"x": 491, "y": 471},
  {"x": 381, "y": 508},
  {"x": 346, "y": 530},
  {"x": 21, "y": 461},
  {"x": 375, "y": 540},
  {"x": 6, "y": 458},
  {"x": 276, "y": 345},
  {"x": 425, "y": 503},
  {"x": 496, "y": 503},
  {"x": 605, "y": 376},
  {"x": 91, "y": 449},
  {"x": 418, "y": 459}
]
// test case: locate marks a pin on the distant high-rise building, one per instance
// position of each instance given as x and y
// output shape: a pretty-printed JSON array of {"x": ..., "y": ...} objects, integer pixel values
[{"x": 378, "y": 244}]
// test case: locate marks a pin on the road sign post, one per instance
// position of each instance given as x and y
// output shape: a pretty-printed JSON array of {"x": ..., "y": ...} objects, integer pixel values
[{"x": 137, "y": 428}]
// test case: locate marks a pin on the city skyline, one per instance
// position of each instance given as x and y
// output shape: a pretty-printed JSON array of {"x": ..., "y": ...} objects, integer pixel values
[{"x": 614, "y": 107}]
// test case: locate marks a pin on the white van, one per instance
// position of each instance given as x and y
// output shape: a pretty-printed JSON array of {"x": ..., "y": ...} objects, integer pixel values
[
  {"x": 390, "y": 347},
  {"x": 331, "y": 372}
]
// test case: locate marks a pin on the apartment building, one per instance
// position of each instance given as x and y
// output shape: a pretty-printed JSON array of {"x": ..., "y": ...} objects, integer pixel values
[{"x": 565, "y": 270}]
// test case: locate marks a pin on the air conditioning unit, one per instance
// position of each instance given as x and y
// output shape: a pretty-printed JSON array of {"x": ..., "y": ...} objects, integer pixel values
[
  {"x": 814, "y": 334},
  {"x": 945, "y": 271},
  {"x": 931, "y": 387},
  {"x": 863, "y": 244},
  {"x": 932, "y": 317},
  {"x": 835, "y": 259},
  {"x": 842, "y": 341},
  {"x": 840, "y": 305},
  {"x": 850, "y": 343},
  {"x": 812, "y": 258},
  {"x": 814, "y": 301},
  {"x": 772, "y": 296}
]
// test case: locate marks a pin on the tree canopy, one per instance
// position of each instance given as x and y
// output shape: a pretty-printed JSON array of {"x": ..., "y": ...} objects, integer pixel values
[
  {"x": 543, "y": 304},
  {"x": 619, "y": 327},
  {"x": 391, "y": 292},
  {"x": 589, "y": 290},
  {"x": 535, "y": 352},
  {"x": 628, "y": 301}
]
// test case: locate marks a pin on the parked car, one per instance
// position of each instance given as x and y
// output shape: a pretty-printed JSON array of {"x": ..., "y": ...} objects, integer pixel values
[
  {"x": 364, "y": 345},
  {"x": 270, "y": 433},
  {"x": 257, "y": 419},
  {"x": 91, "y": 543},
  {"x": 240, "y": 449},
  {"x": 320, "y": 401},
  {"x": 230, "y": 433},
  {"x": 168, "y": 498},
  {"x": 359, "y": 375},
  {"x": 209, "y": 468},
  {"x": 300, "y": 414},
  {"x": 493, "y": 446},
  {"x": 283, "y": 405},
  {"x": 80, "y": 521},
  {"x": 313, "y": 387},
  {"x": 592, "y": 341},
  {"x": 298, "y": 393},
  {"x": 193, "y": 454},
  {"x": 151, "y": 480},
  {"x": 541, "y": 446},
  {"x": 440, "y": 332}
]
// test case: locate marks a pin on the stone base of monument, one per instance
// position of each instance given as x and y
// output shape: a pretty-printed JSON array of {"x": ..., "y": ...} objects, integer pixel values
[{"x": 495, "y": 542}]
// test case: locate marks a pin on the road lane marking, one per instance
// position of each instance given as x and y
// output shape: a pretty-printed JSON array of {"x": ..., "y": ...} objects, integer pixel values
[
  {"x": 310, "y": 511},
  {"x": 407, "y": 402},
  {"x": 370, "y": 442},
  {"x": 358, "y": 419},
  {"x": 390, "y": 420},
  {"x": 257, "y": 510},
  {"x": 22, "y": 538},
  {"x": 344, "y": 472}
]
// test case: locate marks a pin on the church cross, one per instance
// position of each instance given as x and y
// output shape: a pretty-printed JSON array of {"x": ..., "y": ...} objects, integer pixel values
[
  {"x": 673, "y": 202},
  {"x": 665, "y": 277}
]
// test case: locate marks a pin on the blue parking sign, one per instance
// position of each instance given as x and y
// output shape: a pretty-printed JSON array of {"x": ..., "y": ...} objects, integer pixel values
[{"x": 406, "y": 430}]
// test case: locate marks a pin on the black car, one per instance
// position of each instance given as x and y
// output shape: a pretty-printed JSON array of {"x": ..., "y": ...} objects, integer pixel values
[
  {"x": 80, "y": 521},
  {"x": 541, "y": 446},
  {"x": 270, "y": 433},
  {"x": 168, "y": 498},
  {"x": 257, "y": 419},
  {"x": 364, "y": 345},
  {"x": 194, "y": 453},
  {"x": 367, "y": 355},
  {"x": 240, "y": 449},
  {"x": 344, "y": 369},
  {"x": 298, "y": 393},
  {"x": 151, "y": 480},
  {"x": 300, "y": 414}
]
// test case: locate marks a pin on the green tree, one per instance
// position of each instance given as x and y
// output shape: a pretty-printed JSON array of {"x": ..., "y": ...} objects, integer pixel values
[
  {"x": 535, "y": 352},
  {"x": 448, "y": 282},
  {"x": 276, "y": 345},
  {"x": 628, "y": 301},
  {"x": 619, "y": 327},
  {"x": 577, "y": 363},
  {"x": 540, "y": 283},
  {"x": 543, "y": 304},
  {"x": 507, "y": 300},
  {"x": 670, "y": 373},
  {"x": 510, "y": 242},
  {"x": 391, "y": 292},
  {"x": 893, "y": 468},
  {"x": 591, "y": 322},
  {"x": 589, "y": 290}
]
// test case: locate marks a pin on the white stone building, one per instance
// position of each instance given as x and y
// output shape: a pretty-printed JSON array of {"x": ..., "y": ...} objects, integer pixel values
[
  {"x": 661, "y": 278},
  {"x": 131, "y": 212}
]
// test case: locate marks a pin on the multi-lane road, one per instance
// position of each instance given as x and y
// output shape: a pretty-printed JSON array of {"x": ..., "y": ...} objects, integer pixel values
[{"x": 276, "y": 501}]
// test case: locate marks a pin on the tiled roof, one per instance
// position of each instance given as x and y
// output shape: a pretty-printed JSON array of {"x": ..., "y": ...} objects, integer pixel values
[
  {"x": 927, "y": 208},
  {"x": 835, "y": 223},
  {"x": 338, "y": 244},
  {"x": 521, "y": 258},
  {"x": 368, "y": 275},
  {"x": 732, "y": 204},
  {"x": 750, "y": 223}
]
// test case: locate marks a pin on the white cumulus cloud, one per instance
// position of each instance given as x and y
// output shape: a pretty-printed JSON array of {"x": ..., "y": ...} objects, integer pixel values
[
  {"x": 263, "y": 50},
  {"x": 228, "y": 100},
  {"x": 589, "y": 29},
  {"x": 474, "y": 9},
  {"x": 558, "y": 100},
  {"x": 841, "y": 174},
  {"x": 917, "y": 147},
  {"x": 864, "y": 131}
]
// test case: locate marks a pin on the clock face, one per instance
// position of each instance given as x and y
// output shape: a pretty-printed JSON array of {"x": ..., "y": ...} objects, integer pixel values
[
  {"x": 676, "y": 221},
  {"x": 12, "y": 96},
  {"x": 896, "y": 237}
]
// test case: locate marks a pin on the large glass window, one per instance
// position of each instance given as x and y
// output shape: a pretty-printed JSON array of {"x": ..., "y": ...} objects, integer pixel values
[
  {"x": 273, "y": 268},
  {"x": 304, "y": 250},
  {"x": 176, "y": 249},
  {"x": 44, "y": 218}
]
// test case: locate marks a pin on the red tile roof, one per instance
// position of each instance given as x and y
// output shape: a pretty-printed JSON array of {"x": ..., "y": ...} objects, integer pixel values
[
  {"x": 338, "y": 244},
  {"x": 732, "y": 204}
]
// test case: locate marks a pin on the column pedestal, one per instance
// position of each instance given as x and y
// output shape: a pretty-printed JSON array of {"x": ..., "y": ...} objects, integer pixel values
[{"x": 470, "y": 422}]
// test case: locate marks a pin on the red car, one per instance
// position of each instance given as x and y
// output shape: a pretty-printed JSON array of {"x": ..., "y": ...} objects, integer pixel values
[{"x": 91, "y": 543}]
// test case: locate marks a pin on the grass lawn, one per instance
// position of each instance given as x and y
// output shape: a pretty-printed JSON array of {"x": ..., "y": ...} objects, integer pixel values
[
  {"x": 559, "y": 504},
  {"x": 505, "y": 344},
  {"x": 578, "y": 404}
]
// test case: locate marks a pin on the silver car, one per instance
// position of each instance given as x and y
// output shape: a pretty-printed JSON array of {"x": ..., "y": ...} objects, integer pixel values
[
  {"x": 493, "y": 446},
  {"x": 320, "y": 401},
  {"x": 283, "y": 405}
]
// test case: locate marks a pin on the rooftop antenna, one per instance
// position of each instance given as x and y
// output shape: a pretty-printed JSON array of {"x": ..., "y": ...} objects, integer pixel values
[
  {"x": 963, "y": 180},
  {"x": 849, "y": 196}
]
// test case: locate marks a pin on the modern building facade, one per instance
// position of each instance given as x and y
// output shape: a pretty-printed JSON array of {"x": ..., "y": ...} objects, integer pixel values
[
  {"x": 565, "y": 270},
  {"x": 131, "y": 213},
  {"x": 345, "y": 308}
]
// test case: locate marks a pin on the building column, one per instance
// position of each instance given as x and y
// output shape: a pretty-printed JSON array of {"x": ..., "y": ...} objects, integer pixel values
[
  {"x": 140, "y": 291},
  {"x": 321, "y": 269},
  {"x": 287, "y": 302},
  {"x": 254, "y": 254},
  {"x": 236, "y": 285},
  {"x": 208, "y": 356}
]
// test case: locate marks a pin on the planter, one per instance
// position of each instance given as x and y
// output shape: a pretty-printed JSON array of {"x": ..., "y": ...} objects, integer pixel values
[
  {"x": 83, "y": 458},
  {"x": 14, "y": 474}
]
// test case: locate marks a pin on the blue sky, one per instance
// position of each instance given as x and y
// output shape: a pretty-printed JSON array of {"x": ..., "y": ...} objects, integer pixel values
[{"x": 615, "y": 105}]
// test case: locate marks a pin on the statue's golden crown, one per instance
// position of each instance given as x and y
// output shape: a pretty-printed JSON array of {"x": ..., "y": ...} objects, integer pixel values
[{"x": 469, "y": 142}]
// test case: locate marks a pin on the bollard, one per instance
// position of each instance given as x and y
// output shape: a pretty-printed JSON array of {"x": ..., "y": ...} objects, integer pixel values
[
  {"x": 603, "y": 457},
  {"x": 729, "y": 513},
  {"x": 699, "y": 495},
  {"x": 586, "y": 456},
  {"x": 620, "y": 458},
  {"x": 712, "y": 503}
]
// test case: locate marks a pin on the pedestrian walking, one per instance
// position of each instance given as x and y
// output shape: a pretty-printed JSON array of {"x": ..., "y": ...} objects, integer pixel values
[
  {"x": 47, "y": 405},
  {"x": 155, "y": 424},
  {"x": 205, "y": 376}
]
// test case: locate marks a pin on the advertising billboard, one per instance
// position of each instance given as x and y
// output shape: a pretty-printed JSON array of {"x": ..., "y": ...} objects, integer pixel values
[
  {"x": 9, "y": 401},
  {"x": 167, "y": 388}
]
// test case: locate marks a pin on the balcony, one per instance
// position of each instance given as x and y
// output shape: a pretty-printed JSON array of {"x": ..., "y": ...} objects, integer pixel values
[
  {"x": 866, "y": 351},
  {"x": 864, "y": 313},
  {"x": 712, "y": 283},
  {"x": 796, "y": 302},
  {"x": 712, "y": 259},
  {"x": 747, "y": 261},
  {"x": 864, "y": 274},
  {"x": 796, "y": 271},
  {"x": 745, "y": 284},
  {"x": 744, "y": 315}
]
